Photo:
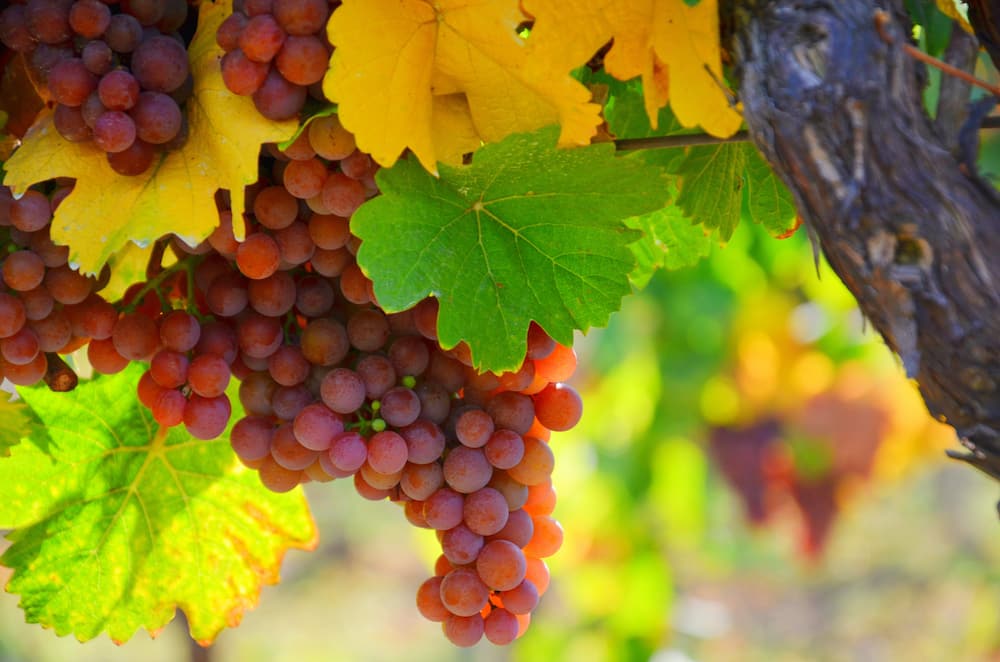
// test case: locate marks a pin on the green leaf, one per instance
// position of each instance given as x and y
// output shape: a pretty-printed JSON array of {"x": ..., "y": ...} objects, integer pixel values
[
  {"x": 768, "y": 200},
  {"x": 122, "y": 522},
  {"x": 712, "y": 185},
  {"x": 526, "y": 232},
  {"x": 625, "y": 110},
  {"x": 670, "y": 241},
  {"x": 16, "y": 422}
]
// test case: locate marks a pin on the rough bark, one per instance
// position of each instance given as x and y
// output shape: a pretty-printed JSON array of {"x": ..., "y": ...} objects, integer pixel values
[{"x": 908, "y": 226}]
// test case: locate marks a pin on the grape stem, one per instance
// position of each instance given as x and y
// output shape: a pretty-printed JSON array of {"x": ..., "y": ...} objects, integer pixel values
[{"x": 186, "y": 264}]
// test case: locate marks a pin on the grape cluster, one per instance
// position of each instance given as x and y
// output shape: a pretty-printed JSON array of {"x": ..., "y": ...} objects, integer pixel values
[
  {"x": 276, "y": 50},
  {"x": 117, "y": 72}
]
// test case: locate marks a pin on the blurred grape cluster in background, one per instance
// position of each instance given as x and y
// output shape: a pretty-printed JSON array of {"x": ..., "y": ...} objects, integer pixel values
[{"x": 753, "y": 479}]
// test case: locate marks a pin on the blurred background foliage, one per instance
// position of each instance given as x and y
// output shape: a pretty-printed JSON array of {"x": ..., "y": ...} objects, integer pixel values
[{"x": 753, "y": 479}]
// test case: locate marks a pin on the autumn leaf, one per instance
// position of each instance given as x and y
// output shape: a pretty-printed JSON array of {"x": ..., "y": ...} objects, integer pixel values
[
  {"x": 386, "y": 81},
  {"x": 122, "y": 521},
  {"x": 106, "y": 210},
  {"x": 672, "y": 46}
]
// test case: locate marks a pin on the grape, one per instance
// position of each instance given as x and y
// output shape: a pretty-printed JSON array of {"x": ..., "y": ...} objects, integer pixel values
[
  {"x": 342, "y": 195},
  {"x": 258, "y": 256},
  {"x": 135, "y": 337},
  {"x": 443, "y": 510},
  {"x": 70, "y": 124},
  {"x": 519, "y": 379},
  {"x": 273, "y": 296},
  {"x": 23, "y": 271},
  {"x": 558, "y": 407},
  {"x": 467, "y": 470},
  {"x": 513, "y": 411},
  {"x": 316, "y": 426},
  {"x": 157, "y": 118},
  {"x": 324, "y": 342},
  {"x": 540, "y": 344},
  {"x": 66, "y": 285},
  {"x": 218, "y": 338},
  {"x": 501, "y": 627},
  {"x": 114, "y": 131},
  {"x": 256, "y": 392},
  {"x": 474, "y": 428},
  {"x": 348, "y": 451},
  {"x": 169, "y": 369},
  {"x": 275, "y": 208},
  {"x": 20, "y": 348},
  {"x": 160, "y": 64},
  {"x": 147, "y": 12},
  {"x": 409, "y": 356},
  {"x": 118, "y": 90},
  {"x": 51, "y": 253},
  {"x": 276, "y": 477},
  {"x": 387, "y": 452},
  {"x": 261, "y": 38},
  {"x": 331, "y": 263},
  {"x": 304, "y": 179},
  {"x": 536, "y": 465},
  {"x": 518, "y": 529},
  {"x": 124, "y": 33},
  {"x": 463, "y": 631},
  {"x": 174, "y": 15},
  {"x": 463, "y": 593},
  {"x": 288, "y": 452},
  {"x": 301, "y": 17},
  {"x": 48, "y": 20},
  {"x": 434, "y": 402},
  {"x": 343, "y": 391},
  {"x": 228, "y": 34},
  {"x": 538, "y": 574},
  {"x": 206, "y": 418},
  {"x": 367, "y": 491},
  {"x": 228, "y": 295},
  {"x": 208, "y": 375},
  {"x": 30, "y": 212},
  {"x": 523, "y": 598},
  {"x": 300, "y": 150},
  {"x": 424, "y": 441},
  {"x": 27, "y": 374},
  {"x": 288, "y": 366},
  {"x": 38, "y": 303},
  {"x": 547, "y": 538},
  {"x": 295, "y": 244},
  {"x": 501, "y": 565},
  {"x": 314, "y": 296},
  {"x": 377, "y": 373},
  {"x": 368, "y": 330},
  {"x": 558, "y": 366},
  {"x": 251, "y": 437},
  {"x": 133, "y": 160},
  {"x": 356, "y": 165},
  {"x": 302, "y": 59},
  {"x": 104, "y": 358},
  {"x": 379, "y": 480},
  {"x": 288, "y": 401},
  {"x": 14, "y": 31},
  {"x": 330, "y": 139},
  {"x": 400, "y": 406},
  {"x": 328, "y": 231},
  {"x": 169, "y": 407},
  {"x": 420, "y": 481},
  {"x": 277, "y": 99},
  {"x": 98, "y": 57},
  {"x": 429, "y": 600},
  {"x": 179, "y": 331},
  {"x": 485, "y": 511},
  {"x": 259, "y": 336},
  {"x": 514, "y": 493},
  {"x": 504, "y": 449}
]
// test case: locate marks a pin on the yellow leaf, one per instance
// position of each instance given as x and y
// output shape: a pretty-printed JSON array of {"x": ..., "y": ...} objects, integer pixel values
[
  {"x": 948, "y": 8},
  {"x": 106, "y": 210},
  {"x": 673, "y": 47},
  {"x": 385, "y": 80}
]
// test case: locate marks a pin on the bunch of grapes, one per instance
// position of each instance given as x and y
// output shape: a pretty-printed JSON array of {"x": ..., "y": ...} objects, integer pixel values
[
  {"x": 277, "y": 51},
  {"x": 117, "y": 72}
]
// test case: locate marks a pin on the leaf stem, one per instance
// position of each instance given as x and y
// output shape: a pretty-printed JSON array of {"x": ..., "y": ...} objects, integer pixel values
[{"x": 687, "y": 140}]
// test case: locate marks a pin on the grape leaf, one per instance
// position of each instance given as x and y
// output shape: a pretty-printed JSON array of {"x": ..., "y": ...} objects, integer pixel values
[
  {"x": 670, "y": 241},
  {"x": 106, "y": 210},
  {"x": 386, "y": 80},
  {"x": 712, "y": 185},
  {"x": 120, "y": 522},
  {"x": 16, "y": 422},
  {"x": 768, "y": 200},
  {"x": 526, "y": 232},
  {"x": 672, "y": 46},
  {"x": 625, "y": 110}
]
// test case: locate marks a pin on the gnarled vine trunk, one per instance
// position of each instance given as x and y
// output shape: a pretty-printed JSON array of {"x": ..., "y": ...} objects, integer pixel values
[{"x": 908, "y": 225}]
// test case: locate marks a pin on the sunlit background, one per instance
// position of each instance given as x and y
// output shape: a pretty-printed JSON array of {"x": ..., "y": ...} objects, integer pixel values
[{"x": 753, "y": 479}]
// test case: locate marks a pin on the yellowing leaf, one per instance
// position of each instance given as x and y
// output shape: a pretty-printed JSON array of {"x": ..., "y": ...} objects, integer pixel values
[
  {"x": 672, "y": 46},
  {"x": 106, "y": 210},
  {"x": 393, "y": 57},
  {"x": 948, "y": 8}
]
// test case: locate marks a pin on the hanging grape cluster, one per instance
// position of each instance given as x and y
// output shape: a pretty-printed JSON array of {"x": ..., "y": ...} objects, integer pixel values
[{"x": 333, "y": 387}]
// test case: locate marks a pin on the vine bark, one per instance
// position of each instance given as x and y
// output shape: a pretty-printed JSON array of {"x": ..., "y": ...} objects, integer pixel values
[{"x": 900, "y": 213}]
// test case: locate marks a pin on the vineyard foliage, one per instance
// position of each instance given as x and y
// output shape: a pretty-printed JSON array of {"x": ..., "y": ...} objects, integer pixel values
[{"x": 502, "y": 196}]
